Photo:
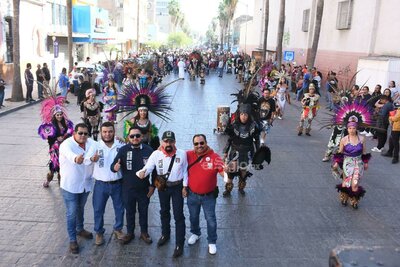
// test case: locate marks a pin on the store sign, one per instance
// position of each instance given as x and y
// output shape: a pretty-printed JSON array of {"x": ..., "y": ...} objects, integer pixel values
[{"x": 288, "y": 55}]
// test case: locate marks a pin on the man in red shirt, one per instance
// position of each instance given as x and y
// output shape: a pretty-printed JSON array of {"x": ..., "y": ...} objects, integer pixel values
[{"x": 201, "y": 189}]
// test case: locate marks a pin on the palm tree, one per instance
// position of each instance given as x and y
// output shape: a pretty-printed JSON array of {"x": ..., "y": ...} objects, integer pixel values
[
  {"x": 16, "y": 94},
  {"x": 69, "y": 24},
  {"x": 222, "y": 17},
  {"x": 318, "y": 19},
  {"x": 173, "y": 11},
  {"x": 266, "y": 21},
  {"x": 230, "y": 7},
  {"x": 281, "y": 27}
]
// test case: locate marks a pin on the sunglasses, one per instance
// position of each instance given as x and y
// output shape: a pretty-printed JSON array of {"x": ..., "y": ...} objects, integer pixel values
[
  {"x": 83, "y": 133},
  {"x": 135, "y": 136},
  {"x": 199, "y": 143}
]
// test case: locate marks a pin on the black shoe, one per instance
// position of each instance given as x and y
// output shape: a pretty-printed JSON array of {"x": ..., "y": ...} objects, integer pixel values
[
  {"x": 146, "y": 238},
  {"x": 299, "y": 133},
  {"x": 387, "y": 154},
  {"x": 73, "y": 247},
  {"x": 163, "y": 239},
  {"x": 308, "y": 134},
  {"x": 395, "y": 160},
  {"x": 178, "y": 251},
  {"x": 242, "y": 192},
  {"x": 355, "y": 206},
  {"x": 32, "y": 100},
  {"x": 226, "y": 193},
  {"x": 66, "y": 101}
]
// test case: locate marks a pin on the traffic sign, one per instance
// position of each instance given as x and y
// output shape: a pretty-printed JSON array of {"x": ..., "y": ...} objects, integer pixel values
[{"x": 288, "y": 55}]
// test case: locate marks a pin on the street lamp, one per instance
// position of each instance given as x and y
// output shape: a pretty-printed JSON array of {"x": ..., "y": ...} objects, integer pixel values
[{"x": 53, "y": 61}]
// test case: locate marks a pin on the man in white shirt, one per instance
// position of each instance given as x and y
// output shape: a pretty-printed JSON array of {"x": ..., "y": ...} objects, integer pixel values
[
  {"x": 77, "y": 154},
  {"x": 177, "y": 178},
  {"x": 107, "y": 184}
]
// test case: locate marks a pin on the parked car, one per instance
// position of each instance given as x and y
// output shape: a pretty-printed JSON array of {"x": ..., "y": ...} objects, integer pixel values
[{"x": 93, "y": 73}]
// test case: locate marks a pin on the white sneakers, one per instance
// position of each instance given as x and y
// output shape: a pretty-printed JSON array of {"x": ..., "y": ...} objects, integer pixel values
[
  {"x": 363, "y": 133},
  {"x": 369, "y": 134},
  {"x": 193, "y": 239},
  {"x": 212, "y": 249},
  {"x": 375, "y": 149}
]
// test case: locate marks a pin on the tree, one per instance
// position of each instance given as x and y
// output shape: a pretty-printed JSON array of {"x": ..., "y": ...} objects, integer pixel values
[
  {"x": 281, "y": 27},
  {"x": 230, "y": 7},
  {"x": 178, "y": 40},
  {"x": 16, "y": 94},
  {"x": 266, "y": 22},
  {"x": 69, "y": 24},
  {"x": 223, "y": 18},
  {"x": 174, "y": 12},
  {"x": 317, "y": 29}
]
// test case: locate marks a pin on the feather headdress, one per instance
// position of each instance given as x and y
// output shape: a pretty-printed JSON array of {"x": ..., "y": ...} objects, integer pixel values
[
  {"x": 156, "y": 99},
  {"x": 51, "y": 106}
]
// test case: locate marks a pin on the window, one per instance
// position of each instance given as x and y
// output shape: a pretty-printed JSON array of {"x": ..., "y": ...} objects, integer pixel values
[
  {"x": 306, "y": 20},
  {"x": 345, "y": 9},
  {"x": 59, "y": 14},
  {"x": 9, "y": 40}
]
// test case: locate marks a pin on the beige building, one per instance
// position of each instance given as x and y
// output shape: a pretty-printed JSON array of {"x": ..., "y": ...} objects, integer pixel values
[{"x": 351, "y": 30}]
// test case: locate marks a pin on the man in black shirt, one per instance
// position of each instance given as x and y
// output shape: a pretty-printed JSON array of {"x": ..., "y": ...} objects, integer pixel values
[
  {"x": 39, "y": 80},
  {"x": 47, "y": 77},
  {"x": 266, "y": 106},
  {"x": 130, "y": 159}
]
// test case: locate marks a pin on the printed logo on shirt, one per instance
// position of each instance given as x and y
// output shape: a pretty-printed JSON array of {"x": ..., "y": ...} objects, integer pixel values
[
  {"x": 177, "y": 160},
  {"x": 160, "y": 164},
  {"x": 129, "y": 155},
  {"x": 101, "y": 153},
  {"x": 129, "y": 165},
  {"x": 208, "y": 159}
]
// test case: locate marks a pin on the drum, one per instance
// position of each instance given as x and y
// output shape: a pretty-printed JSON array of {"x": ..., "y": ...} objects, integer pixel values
[{"x": 223, "y": 116}]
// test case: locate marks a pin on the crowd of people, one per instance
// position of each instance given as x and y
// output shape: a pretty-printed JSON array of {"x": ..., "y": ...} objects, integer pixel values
[{"x": 89, "y": 157}]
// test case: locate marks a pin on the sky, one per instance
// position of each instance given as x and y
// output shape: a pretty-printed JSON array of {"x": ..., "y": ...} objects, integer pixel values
[{"x": 199, "y": 13}]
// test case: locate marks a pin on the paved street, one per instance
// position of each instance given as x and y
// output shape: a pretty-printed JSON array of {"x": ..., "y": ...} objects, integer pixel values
[{"x": 290, "y": 215}]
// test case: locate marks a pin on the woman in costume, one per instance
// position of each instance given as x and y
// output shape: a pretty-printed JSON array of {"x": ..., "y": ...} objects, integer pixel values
[
  {"x": 281, "y": 91},
  {"x": 110, "y": 93},
  {"x": 55, "y": 128},
  {"x": 141, "y": 120},
  {"x": 352, "y": 156},
  {"x": 244, "y": 138},
  {"x": 310, "y": 107},
  {"x": 91, "y": 113}
]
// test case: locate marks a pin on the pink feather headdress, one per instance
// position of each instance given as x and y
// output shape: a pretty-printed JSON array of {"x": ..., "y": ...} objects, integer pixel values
[{"x": 51, "y": 106}]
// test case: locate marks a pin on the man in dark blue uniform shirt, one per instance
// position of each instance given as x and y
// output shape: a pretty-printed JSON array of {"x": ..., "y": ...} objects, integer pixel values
[{"x": 130, "y": 159}]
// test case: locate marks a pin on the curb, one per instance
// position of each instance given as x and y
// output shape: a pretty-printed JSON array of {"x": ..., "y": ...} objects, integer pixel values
[{"x": 19, "y": 108}]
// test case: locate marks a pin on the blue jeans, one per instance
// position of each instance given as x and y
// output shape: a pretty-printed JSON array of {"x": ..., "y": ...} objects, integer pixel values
[
  {"x": 174, "y": 193},
  {"x": 195, "y": 202},
  {"x": 40, "y": 90},
  {"x": 75, "y": 205},
  {"x": 64, "y": 91},
  {"x": 1, "y": 97},
  {"x": 101, "y": 192}
]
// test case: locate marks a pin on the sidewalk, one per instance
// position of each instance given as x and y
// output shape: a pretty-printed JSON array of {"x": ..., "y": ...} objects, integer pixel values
[{"x": 14, "y": 106}]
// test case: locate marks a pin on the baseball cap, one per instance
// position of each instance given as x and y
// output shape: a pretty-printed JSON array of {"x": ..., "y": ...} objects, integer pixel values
[{"x": 168, "y": 135}]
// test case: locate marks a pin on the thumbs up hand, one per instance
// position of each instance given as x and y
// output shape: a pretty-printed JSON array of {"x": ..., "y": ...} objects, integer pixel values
[
  {"x": 79, "y": 159},
  {"x": 117, "y": 165},
  {"x": 95, "y": 157}
]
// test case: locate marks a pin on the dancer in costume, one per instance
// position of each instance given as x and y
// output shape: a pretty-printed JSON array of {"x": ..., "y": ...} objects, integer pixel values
[
  {"x": 310, "y": 107},
  {"x": 333, "y": 145},
  {"x": 266, "y": 106},
  {"x": 243, "y": 140},
  {"x": 281, "y": 91},
  {"x": 91, "y": 113},
  {"x": 55, "y": 128},
  {"x": 352, "y": 156},
  {"x": 140, "y": 101},
  {"x": 110, "y": 100}
]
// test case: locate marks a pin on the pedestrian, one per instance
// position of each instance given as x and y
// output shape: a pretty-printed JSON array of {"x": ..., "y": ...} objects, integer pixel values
[
  {"x": 83, "y": 87},
  {"x": 309, "y": 111},
  {"x": 63, "y": 83},
  {"x": 55, "y": 128},
  {"x": 382, "y": 122},
  {"x": 181, "y": 67},
  {"x": 266, "y": 107},
  {"x": 394, "y": 120},
  {"x": 201, "y": 189},
  {"x": 47, "y": 78},
  {"x": 107, "y": 184},
  {"x": 130, "y": 159},
  {"x": 221, "y": 68},
  {"x": 29, "y": 83},
  {"x": 171, "y": 165},
  {"x": 91, "y": 113},
  {"x": 77, "y": 153},
  {"x": 39, "y": 81},
  {"x": 2, "y": 92}
]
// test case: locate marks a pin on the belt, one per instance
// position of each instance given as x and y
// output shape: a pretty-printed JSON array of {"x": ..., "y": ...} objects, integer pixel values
[
  {"x": 169, "y": 184},
  {"x": 112, "y": 182},
  {"x": 202, "y": 195}
]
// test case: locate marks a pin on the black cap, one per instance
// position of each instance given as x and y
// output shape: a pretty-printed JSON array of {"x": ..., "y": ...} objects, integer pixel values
[{"x": 168, "y": 135}]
